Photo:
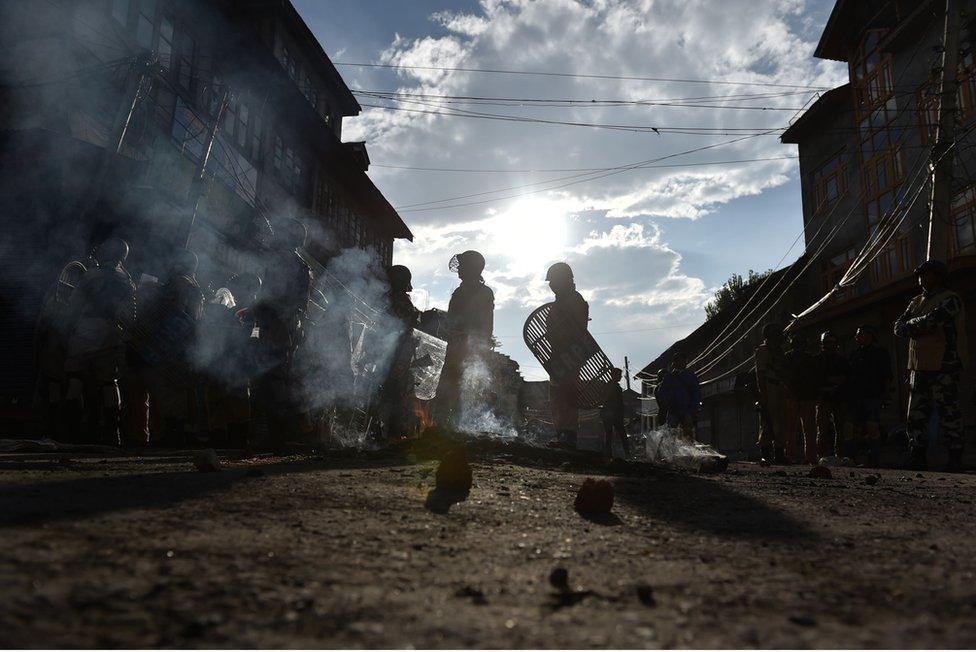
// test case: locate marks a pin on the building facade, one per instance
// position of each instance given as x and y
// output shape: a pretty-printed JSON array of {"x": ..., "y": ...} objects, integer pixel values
[
  {"x": 864, "y": 150},
  {"x": 110, "y": 108}
]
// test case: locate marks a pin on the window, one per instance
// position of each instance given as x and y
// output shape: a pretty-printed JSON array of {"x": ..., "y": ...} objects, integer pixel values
[
  {"x": 256, "y": 138},
  {"x": 120, "y": 11},
  {"x": 240, "y": 130},
  {"x": 187, "y": 56},
  {"x": 146, "y": 24},
  {"x": 830, "y": 181},
  {"x": 165, "y": 47},
  {"x": 278, "y": 154},
  {"x": 964, "y": 221},
  {"x": 929, "y": 99},
  {"x": 835, "y": 268}
]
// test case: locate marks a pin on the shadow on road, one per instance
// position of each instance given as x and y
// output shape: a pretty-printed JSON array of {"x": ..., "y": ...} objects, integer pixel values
[
  {"x": 699, "y": 503},
  {"x": 44, "y": 502},
  {"x": 440, "y": 501}
]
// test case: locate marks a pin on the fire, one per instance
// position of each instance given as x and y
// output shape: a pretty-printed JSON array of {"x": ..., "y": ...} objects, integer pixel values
[{"x": 421, "y": 411}]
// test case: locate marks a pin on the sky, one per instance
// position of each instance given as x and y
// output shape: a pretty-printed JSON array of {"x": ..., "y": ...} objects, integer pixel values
[{"x": 649, "y": 245}]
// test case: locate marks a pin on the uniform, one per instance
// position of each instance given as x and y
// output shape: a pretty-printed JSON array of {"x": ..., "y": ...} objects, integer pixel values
[
  {"x": 612, "y": 416},
  {"x": 680, "y": 395},
  {"x": 278, "y": 315},
  {"x": 937, "y": 353},
  {"x": 398, "y": 388},
  {"x": 870, "y": 373},
  {"x": 774, "y": 398},
  {"x": 470, "y": 323},
  {"x": 803, "y": 385},
  {"x": 566, "y": 320},
  {"x": 101, "y": 311},
  {"x": 833, "y": 370}
]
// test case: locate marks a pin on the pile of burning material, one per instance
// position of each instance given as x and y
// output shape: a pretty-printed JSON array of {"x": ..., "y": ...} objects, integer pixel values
[{"x": 670, "y": 447}]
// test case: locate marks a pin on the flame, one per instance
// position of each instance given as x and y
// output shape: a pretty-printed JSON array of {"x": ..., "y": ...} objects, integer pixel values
[{"x": 421, "y": 411}]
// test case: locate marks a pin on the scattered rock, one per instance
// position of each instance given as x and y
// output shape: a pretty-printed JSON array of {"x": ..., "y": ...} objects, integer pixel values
[
  {"x": 646, "y": 595},
  {"x": 454, "y": 472},
  {"x": 820, "y": 472},
  {"x": 206, "y": 460},
  {"x": 872, "y": 479},
  {"x": 595, "y": 497},
  {"x": 559, "y": 579},
  {"x": 803, "y": 621},
  {"x": 477, "y": 595}
]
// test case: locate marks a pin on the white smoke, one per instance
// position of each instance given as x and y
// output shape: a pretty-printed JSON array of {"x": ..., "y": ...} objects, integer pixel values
[{"x": 668, "y": 445}]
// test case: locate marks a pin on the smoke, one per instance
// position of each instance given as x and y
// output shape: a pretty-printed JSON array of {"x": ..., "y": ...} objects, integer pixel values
[
  {"x": 479, "y": 400},
  {"x": 668, "y": 445}
]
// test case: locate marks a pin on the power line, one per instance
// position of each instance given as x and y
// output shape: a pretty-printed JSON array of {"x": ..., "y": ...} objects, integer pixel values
[
  {"x": 542, "y": 170},
  {"x": 577, "y": 75},
  {"x": 575, "y": 178}
]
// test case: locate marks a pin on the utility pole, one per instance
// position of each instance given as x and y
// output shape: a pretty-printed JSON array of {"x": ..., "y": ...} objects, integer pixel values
[
  {"x": 199, "y": 183},
  {"x": 941, "y": 166},
  {"x": 627, "y": 372},
  {"x": 137, "y": 85}
]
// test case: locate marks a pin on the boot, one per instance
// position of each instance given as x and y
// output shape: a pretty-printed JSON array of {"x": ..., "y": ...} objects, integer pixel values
[
  {"x": 766, "y": 455},
  {"x": 955, "y": 461},
  {"x": 779, "y": 457},
  {"x": 918, "y": 459}
]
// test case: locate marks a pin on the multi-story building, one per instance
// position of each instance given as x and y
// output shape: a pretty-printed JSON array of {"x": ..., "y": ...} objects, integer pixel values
[
  {"x": 111, "y": 106},
  {"x": 864, "y": 150}
]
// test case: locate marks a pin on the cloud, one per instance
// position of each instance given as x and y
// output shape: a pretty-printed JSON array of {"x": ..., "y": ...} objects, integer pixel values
[{"x": 607, "y": 224}]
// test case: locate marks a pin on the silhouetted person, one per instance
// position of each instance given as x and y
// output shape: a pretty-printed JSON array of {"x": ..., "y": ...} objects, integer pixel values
[
  {"x": 680, "y": 394},
  {"x": 179, "y": 309},
  {"x": 867, "y": 389},
  {"x": 143, "y": 358},
  {"x": 803, "y": 385},
  {"x": 101, "y": 311},
  {"x": 470, "y": 323},
  {"x": 612, "y": 416},
  {"x": 278, "y": 314},
  {"x": 774, "y": 413},
  {"x": 220, "y": 357},
  {"x": 565, "y": 329},
  {"x": 397, "y": 393},
  {"x": 833, "y": 370},
  {"x": 50, "y": 352},
  {"x": 935, "y": 324}
]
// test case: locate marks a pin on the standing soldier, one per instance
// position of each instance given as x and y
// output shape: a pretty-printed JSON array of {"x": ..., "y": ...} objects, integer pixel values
[
  {"x": 870, "y": 375},
  {"x": 773, "y": 397},
  {"x": 612, "y": 416},
  {"x": 470, "y": 323},
  {"x": 142, "y": 361},
  {"x": 279, "y": 314},
  {"x": 935, "y": 325},
  {"x": 50, "y": 347},
  {"x": 833, "y": 370},
  {"x": 565, "y": 325},
  {"x": 397, "y": 392},
  {"x": 803, "y": 385},
  {"x": 179, "y": 309},
  {"x": 101, "y": 311},
  {"x": 680, "y": 395}
]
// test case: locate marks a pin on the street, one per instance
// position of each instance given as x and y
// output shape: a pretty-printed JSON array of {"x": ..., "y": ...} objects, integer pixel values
[{"x": 350, "y": 550}]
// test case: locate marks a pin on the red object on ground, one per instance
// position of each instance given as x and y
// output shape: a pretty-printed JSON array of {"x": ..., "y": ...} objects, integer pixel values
[
  {"x": 820, "y": 472},
  {"x": 595, "y": 496}
]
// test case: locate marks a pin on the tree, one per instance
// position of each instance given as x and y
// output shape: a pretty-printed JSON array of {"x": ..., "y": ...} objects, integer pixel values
[{"x": 732, "y": 290}]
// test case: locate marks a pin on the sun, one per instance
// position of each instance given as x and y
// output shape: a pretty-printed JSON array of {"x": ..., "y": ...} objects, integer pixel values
[{"x": 529, "y": 235}]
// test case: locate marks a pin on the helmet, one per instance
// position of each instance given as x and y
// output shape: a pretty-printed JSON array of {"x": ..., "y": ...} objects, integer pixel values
[
  {"x": 936, "y": 266},
  {"x": 772, "y": 330},
  {"x": 400, "y": 278},
  {"x": 184, "y": 262},
  {"x": 559, "y": 272},
  {"x": 112, "y": 252},
  {"x": 827, "y": 336},
  {"x": 244, "y": 284},
  {"x": 469, "y": 260},
  {"x": 290, "y": 234}
]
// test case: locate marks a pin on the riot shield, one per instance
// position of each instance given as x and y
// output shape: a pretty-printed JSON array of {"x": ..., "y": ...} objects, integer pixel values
[{"x": 583, "y": 360}]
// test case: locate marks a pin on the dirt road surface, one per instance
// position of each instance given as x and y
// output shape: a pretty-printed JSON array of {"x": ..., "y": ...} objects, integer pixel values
[{"x": 353, "y": 551}]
